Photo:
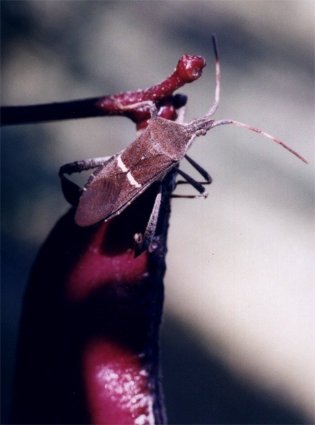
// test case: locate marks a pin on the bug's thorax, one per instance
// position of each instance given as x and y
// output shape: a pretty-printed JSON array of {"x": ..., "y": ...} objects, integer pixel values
[{"x": 167, "y": 138}]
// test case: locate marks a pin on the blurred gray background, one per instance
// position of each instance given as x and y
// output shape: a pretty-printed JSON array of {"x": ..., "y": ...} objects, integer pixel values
[{"x": 238, "y": 335}]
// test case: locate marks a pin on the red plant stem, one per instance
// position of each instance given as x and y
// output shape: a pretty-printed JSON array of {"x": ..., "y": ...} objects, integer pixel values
[{"x": 188, "y": 69}]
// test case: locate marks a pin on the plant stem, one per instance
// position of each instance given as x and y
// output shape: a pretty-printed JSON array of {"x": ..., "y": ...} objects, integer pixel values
[{"x": 188, "y": 69}]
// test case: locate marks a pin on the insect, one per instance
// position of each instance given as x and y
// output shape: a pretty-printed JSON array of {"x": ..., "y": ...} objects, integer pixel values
[{"x": 118, "y": 180}]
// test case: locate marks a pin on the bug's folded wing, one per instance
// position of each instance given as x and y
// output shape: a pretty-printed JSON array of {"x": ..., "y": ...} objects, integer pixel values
[
  {"x": 99, "y": 199},
  {"x": 150, "y": 168},
  {"x": 110, "y": 191}
]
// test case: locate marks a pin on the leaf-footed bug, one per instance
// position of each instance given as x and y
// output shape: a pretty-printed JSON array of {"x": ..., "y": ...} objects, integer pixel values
[{"x": 118, "y": 180}]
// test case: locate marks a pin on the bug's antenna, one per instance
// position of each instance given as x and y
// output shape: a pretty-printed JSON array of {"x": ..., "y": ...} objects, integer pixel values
[
  {"x": 263, "y": 133},
  {"x": 215, "y": 105},
  {"x": 201, "y": 126}
]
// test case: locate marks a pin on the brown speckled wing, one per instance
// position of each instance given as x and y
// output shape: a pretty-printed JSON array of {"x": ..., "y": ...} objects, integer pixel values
[{"x": 109, "y": 191}]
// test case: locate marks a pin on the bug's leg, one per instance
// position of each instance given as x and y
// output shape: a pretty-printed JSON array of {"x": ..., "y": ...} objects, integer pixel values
[
  {"x": 200, "y": 170},
  {"x": 71, "y": 190},
  {"x": 85, "y": 164},
  {"x": 189, "y": 180},
  {"x": 144, "y": 241},
  {"x": 145, "y": 103},
  {"x": 197, "y": 185}
]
